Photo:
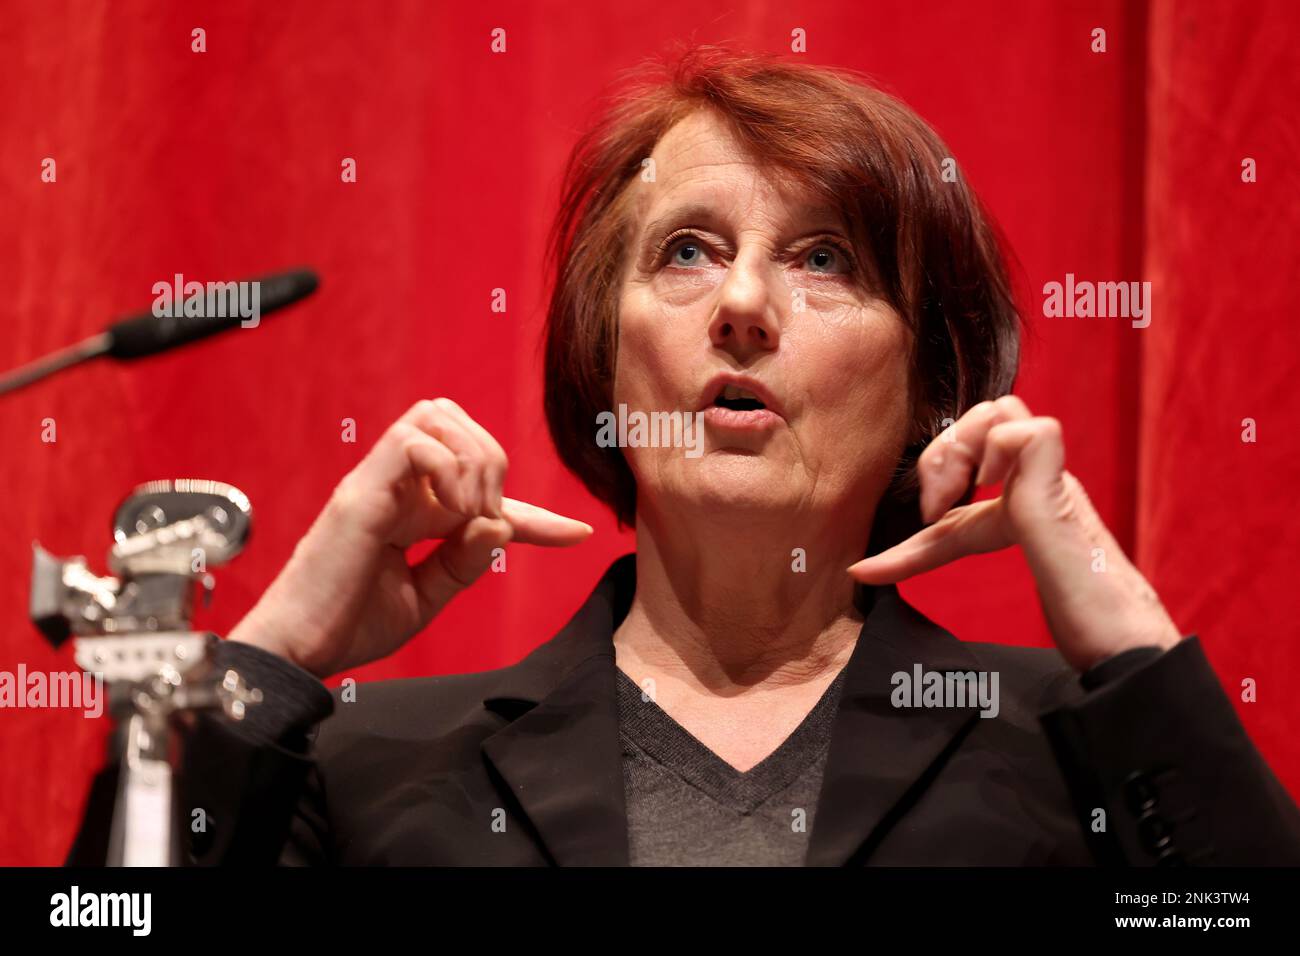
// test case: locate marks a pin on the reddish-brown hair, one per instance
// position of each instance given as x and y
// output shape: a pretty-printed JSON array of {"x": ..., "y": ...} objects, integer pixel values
[{"x": 927, "y": 246}]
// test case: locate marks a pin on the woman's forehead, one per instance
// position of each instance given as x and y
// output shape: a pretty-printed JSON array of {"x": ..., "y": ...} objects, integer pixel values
[
  {"x": 699, "y": 137},
  {"x": 702, "y": 173}
]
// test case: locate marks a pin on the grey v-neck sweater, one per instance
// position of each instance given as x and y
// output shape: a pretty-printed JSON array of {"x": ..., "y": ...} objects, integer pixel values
[{"x": 686, "y": 806}]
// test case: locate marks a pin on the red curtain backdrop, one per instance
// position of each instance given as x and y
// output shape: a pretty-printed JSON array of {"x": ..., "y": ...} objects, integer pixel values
[{"x": 1117, "y": 166}]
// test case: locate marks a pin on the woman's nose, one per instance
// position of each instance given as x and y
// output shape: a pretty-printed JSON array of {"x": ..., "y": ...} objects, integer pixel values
[{"x": 745, "y": 319}]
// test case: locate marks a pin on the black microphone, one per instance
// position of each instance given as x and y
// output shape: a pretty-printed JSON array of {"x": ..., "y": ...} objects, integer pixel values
[
  {"x": 146, "y": 334},
  {"x": 197, "y": 317}
]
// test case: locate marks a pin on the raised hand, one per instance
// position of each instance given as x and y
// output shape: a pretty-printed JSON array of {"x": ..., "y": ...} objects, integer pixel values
[
  {"x": 348, "y": 596},
  {"x": 1096, "y": 602}
]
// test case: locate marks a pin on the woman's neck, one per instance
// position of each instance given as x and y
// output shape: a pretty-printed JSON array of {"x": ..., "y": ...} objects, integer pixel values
[{"x": 727, "y": 605}]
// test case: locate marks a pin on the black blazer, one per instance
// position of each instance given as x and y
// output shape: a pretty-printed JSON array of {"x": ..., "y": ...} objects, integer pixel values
[{"x": 1141, "y": 762}]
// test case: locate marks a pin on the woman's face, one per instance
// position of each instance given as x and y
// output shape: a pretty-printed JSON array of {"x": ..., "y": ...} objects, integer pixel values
[{"x": 731, "y": 275}]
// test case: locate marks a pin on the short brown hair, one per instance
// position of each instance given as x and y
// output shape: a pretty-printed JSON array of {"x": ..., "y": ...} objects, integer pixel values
[{"x": 931, "y": 251}]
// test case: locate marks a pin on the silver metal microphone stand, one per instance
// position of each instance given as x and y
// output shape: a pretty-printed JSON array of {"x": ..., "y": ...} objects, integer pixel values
[{"x": 133, "y": 632}]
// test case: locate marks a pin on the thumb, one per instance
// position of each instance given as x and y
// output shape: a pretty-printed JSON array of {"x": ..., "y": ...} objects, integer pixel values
[{"x": 458, "y": 562}]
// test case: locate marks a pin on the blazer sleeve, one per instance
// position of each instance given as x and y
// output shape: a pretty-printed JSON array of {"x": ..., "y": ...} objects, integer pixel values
[
  {"x": 248, "y": 791},
  {"x": 1153, "y": 742}
]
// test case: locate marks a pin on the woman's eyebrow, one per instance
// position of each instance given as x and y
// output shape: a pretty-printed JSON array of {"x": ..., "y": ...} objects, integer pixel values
[{"x": 689, "y": 212}]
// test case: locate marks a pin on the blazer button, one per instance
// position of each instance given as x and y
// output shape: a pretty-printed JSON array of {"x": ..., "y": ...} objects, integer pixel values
[
  {"x": 1155, "y": 832},
  {"x": 1140, "y": 793}
]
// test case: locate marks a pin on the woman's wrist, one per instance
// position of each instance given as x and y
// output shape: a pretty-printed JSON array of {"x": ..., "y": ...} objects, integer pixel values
[
  {"x": 256, "y": 634},
  {"x": 269, "y": 626}
]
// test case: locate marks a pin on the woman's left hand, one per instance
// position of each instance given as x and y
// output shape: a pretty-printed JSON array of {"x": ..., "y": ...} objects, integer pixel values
[{"x": 1096, "y": 602}]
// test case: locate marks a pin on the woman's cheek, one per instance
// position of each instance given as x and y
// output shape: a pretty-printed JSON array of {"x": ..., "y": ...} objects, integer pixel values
[
  {"x": 636, "y": 328},
  {"x": 644, "y": 363},
  {"x": 860, "y": 382}
]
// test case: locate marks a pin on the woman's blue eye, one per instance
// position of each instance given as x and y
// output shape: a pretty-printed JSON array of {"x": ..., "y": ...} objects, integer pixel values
[
  {"x": 690, "y": 254},
  {"x": 826, "y": 259}
]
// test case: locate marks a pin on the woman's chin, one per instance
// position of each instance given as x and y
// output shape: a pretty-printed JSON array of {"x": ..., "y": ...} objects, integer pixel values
[{"x": 742, "y": 485}]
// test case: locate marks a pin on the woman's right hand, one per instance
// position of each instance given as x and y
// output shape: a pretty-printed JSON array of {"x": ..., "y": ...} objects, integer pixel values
[{"x": 347, "y": 596}]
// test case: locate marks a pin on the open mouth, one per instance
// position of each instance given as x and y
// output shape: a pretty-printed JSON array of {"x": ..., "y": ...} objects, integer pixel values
[
  {"x": 738, "y": 399},
  {"x": 734, "y": 404}
]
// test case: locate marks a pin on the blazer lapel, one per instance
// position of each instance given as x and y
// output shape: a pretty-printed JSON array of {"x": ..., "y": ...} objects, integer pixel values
[
  {"x": 560, "y": 755},
  {"x": 879, "y": 753}
]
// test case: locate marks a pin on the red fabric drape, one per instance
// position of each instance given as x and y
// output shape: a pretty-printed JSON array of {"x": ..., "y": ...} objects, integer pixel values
[
  {"x": 1114, "y": 166},
  {"x": 1217, "y": 531}
]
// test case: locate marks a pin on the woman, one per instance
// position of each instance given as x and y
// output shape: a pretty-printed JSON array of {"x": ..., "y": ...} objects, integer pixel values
[{"x": 776, "y": 249}]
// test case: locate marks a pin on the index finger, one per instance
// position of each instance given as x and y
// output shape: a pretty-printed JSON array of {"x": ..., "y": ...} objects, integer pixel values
[
  {"x": 972, "y": 529},
  {"x": 534, "y": 525}
]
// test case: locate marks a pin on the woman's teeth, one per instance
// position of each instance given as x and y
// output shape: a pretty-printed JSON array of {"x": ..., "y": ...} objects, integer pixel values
[{"x": 739, "y": 399}]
